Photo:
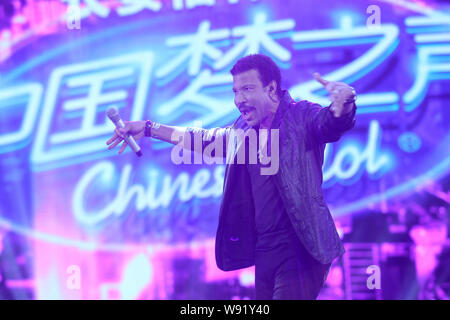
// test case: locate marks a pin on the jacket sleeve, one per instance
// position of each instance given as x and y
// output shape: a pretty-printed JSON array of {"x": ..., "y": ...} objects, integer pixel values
[
  {"x": 218, "y": 136},
  {"x": 323, "y": 125}
]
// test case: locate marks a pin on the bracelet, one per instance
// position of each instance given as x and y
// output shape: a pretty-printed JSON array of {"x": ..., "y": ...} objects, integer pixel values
[
  {"x": 351, "y": 100},
  {"x": 148, "y": 128}
]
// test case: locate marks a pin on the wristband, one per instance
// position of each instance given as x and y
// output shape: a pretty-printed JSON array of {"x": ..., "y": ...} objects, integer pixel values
[{"x": 148, "y": 128}]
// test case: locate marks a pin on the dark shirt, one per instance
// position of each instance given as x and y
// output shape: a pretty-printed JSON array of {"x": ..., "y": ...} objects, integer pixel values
[{"x": 273, "y": 227}]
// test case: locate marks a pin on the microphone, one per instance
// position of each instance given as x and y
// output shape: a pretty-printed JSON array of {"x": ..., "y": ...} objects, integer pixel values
[{"x": 114, "y": 116}]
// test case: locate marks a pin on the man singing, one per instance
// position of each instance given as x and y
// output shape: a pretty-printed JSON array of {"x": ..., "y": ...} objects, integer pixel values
[{"x": 279, "y": 222}]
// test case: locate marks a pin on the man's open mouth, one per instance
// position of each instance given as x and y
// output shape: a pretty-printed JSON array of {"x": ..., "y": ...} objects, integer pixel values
[{"x": 245, "y": 111}]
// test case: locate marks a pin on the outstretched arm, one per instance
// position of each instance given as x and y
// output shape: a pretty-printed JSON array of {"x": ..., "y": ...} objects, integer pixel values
[
  {"x": 172, "y": 134},
  {"x": 137, "y": 130}
]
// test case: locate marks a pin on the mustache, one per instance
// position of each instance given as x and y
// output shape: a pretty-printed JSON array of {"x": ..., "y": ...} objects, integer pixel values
[{"x": 244, "y": 107}]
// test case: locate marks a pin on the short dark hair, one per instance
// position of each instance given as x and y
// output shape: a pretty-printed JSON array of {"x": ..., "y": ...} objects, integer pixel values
[{"x": 266, "y": 67}]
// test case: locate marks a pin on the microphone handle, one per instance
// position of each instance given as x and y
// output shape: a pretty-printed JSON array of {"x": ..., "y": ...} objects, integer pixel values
[{"x": 129, "y": 139}]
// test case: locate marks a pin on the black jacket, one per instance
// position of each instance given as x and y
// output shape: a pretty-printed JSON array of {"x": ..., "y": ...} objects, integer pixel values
[{"x": 304, "y": 129}]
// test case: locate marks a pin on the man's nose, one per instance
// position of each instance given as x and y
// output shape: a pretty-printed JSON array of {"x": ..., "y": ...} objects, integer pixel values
[{"x": 239, "y": 98}]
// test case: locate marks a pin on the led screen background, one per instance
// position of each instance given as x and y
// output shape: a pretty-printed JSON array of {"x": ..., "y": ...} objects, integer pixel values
[{"x": 144, "y": 227}]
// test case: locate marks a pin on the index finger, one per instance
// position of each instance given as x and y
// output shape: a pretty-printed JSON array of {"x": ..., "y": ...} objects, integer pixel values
[
  {"x": 112, "y": 138},
  {"x": 320, "y": 79}
]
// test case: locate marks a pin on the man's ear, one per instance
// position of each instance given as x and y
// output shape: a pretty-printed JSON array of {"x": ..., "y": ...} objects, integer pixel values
[{"x": 273, "y": 91}]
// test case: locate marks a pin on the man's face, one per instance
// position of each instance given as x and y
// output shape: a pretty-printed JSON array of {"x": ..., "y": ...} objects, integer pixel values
[{"x": 250, "y": 97}]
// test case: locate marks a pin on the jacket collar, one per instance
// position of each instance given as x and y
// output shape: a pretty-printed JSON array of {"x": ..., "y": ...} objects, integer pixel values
[{"x": 286, "y": 99}]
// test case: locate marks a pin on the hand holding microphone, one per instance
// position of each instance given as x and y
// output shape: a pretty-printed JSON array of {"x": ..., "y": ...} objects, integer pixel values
[{"x": 128, "y": 132}]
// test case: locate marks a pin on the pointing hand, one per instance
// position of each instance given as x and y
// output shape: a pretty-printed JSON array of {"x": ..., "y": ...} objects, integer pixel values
[{"x": 341, "y": 94}]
